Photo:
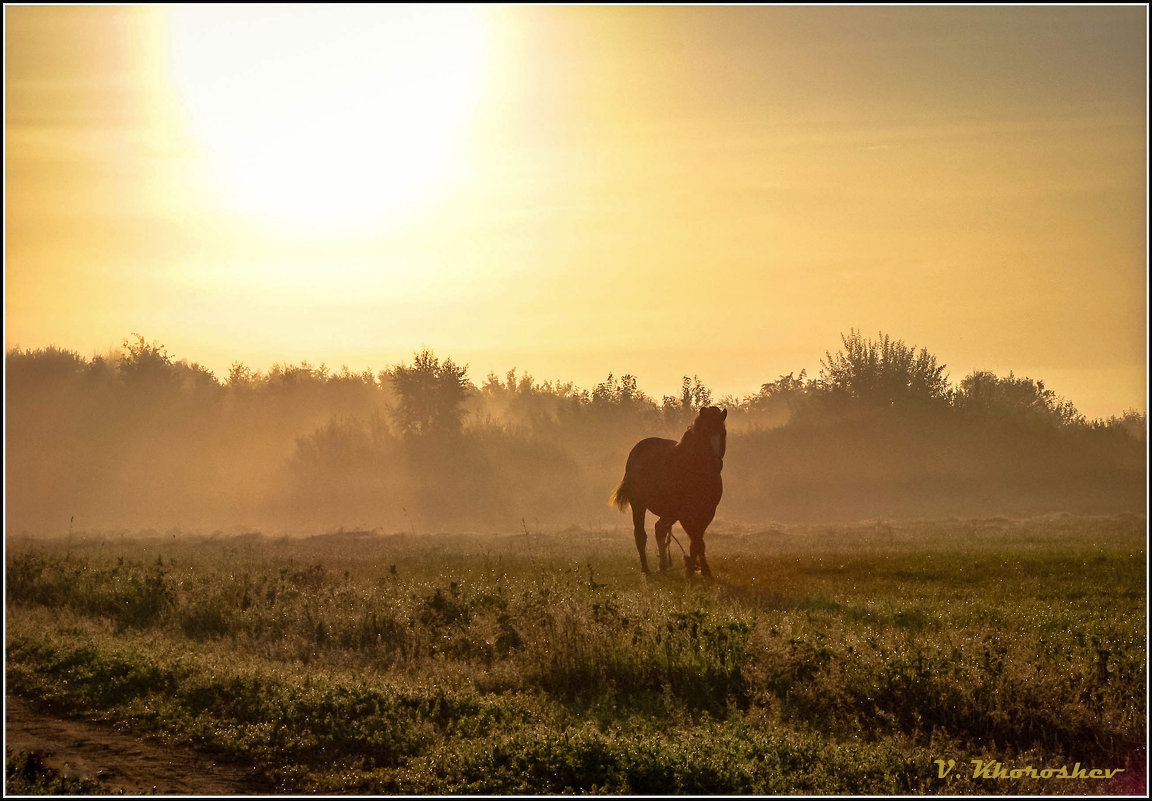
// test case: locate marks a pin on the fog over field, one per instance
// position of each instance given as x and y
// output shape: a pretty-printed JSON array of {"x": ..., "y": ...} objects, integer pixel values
[{"x": 139, "y": 439}]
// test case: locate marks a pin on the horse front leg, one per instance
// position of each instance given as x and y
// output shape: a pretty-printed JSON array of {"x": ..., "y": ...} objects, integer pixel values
[
  {"x": 663, "y": 534},
  {"x": 641, "y": 535},
  {"x": 696, "y": 551}
]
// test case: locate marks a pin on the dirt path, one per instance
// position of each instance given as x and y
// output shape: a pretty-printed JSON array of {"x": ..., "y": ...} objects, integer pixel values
[{"x": 119, "y": 761}]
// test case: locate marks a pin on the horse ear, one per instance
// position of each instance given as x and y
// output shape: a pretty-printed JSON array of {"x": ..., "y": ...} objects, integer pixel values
[{"x": 724, "y": 415}]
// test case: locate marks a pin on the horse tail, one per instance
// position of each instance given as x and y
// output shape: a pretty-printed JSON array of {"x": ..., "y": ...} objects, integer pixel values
[{"x": 623, "y": 494}]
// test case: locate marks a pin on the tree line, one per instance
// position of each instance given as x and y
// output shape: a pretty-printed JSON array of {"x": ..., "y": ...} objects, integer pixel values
[{"x": 880, "y": 424}]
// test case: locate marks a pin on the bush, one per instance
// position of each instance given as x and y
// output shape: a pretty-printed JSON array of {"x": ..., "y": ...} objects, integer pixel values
[
  {"x": 882, "y": 372},
  {"x": 1017, "y": 399}
]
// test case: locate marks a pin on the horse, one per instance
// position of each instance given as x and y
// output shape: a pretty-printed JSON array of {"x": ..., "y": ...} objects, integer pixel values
[{"x": 678, "y": 481}]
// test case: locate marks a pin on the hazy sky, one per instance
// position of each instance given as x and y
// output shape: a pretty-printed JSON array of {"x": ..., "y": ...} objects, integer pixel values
[{"x": 575, "y": 191}]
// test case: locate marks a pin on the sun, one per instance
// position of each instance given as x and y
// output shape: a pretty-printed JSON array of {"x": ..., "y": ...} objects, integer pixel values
[{"x": 329, "y": 120}]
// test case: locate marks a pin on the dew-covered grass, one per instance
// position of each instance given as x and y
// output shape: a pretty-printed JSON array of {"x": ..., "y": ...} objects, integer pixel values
[{"x": 821, "y": 660}]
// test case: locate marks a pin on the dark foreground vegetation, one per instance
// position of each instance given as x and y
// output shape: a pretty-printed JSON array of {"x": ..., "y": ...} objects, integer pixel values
[
  {"x": 842, "y": 659},
  {"x": 137, "y": 439},
  {"x": 26, "y": 774}
]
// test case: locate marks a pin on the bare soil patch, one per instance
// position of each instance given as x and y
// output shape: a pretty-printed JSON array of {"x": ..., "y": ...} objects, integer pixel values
[{"x": 118, "y": 760}]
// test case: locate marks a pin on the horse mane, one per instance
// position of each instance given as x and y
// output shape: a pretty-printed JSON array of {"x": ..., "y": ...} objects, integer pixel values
[
  {"x": 695, "y": 440},
  {"x": 690, "y": 434}
]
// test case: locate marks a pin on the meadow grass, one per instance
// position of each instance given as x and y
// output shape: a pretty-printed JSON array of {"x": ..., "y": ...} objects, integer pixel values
[{"x": 821, "y": 660}]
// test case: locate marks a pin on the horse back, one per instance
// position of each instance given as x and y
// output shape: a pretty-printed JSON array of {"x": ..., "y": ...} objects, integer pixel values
[{"x": 648, "y": 450}]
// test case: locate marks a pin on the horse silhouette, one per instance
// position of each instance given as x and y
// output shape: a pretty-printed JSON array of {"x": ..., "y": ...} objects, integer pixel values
[{"x": 678, "y": 481}]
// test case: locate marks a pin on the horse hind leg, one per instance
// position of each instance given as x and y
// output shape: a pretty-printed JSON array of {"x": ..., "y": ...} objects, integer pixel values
[
  {"x": 641, "y": 535},
  {"x": 663, "y": 535}
]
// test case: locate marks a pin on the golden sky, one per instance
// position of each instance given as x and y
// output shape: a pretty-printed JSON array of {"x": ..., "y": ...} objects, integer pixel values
[{"x": 579, "y": 190}]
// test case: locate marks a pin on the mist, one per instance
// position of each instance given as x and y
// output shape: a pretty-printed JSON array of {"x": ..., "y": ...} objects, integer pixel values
[{"x": 137, "y": 440}]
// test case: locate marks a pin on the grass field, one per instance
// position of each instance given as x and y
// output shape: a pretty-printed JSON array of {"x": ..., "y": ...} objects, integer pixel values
[{"x": 820, "y": 660}]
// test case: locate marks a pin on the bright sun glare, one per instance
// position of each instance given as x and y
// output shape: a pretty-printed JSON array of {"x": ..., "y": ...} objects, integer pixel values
[{"x": 330, "y": 121}]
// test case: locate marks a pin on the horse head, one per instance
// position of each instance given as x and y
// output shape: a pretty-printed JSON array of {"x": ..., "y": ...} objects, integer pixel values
[{"x": 709, "y": 428}]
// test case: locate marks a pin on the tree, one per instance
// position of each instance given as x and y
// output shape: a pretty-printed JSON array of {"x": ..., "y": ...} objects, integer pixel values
[
  {"x": 778, "y": 401},
  {"x": 1131, "y": 423},
  {"x": 788, "y": 389},
  {"x": 49, "y": 367},
  {"x": 882, "y": 372},
  {"x": 983, "y": 393},
  {"x": 621, "y": 393},
  {"x": 694, "y": 396},
  {"x": 145, "y": 362},
  {"x": 430, "y": 394},
  {"x": 241, "y": 376}
]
